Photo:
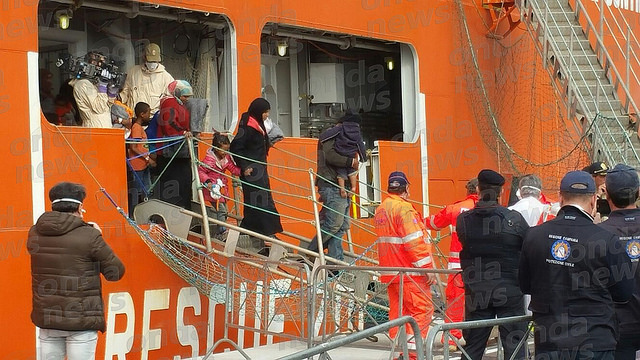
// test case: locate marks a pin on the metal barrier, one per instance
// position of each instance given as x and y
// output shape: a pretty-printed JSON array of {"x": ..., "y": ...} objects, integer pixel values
[
  {"x": 258, "y": 298},
  {"x": 324, "y": 347},
  {"x": 471, "y": 325},
  {"x": 346, "y": 305}
]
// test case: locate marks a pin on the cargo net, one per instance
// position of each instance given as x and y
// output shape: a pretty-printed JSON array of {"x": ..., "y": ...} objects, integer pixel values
[
  {"x": 239, "y": 283},
  {"x": 516, "y": 109}
]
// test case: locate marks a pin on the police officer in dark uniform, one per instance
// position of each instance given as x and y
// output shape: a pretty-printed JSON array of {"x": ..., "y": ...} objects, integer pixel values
[
  {"x": 571, "y": 268},
  {"x": 491, "y": 237},
  {"x": 622, "y": 185}
]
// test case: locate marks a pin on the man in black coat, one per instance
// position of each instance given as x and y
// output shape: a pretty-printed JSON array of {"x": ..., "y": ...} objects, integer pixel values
[
  {"x": 67, "y": 257},
  {"x": 491, "y": 237},
  {"x": 622, "y": 185},
  {"x": 572, "y": 269}
]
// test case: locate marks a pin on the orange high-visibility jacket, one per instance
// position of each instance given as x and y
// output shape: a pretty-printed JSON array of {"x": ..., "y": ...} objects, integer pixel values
[
  {"x": 448, "y": 216},
  {"x": 402, "y": 238}
]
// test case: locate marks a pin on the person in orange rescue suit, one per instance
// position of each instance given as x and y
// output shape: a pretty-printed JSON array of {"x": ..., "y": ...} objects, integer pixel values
[
  {"x": 455, "y": 286},
  {"x": 403, "y": 242}
]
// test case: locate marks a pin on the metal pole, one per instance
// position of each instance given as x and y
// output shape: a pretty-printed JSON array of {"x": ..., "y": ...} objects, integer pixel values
[
  {"x": 571, "y": 58},
  {"x": 601, "y": 4},
  {"x": 316, "y": 216},
  {"x": 203, "y": 206},
  {"x": 324, "y": 347},
  {"x": 598, "y": 97},
  {"x": 628, "y": 56}
]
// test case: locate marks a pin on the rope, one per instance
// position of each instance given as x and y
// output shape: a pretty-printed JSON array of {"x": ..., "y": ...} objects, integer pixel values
[
  {"x": 256, "y": 161},
  {"x": 153, "y": 185},
  {"x": 292, "y": 154}
]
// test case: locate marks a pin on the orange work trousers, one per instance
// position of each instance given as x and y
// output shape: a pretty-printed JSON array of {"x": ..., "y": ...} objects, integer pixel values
[
  {"x": 416, "y": 302},
  {"x": 455, "y": 303}
]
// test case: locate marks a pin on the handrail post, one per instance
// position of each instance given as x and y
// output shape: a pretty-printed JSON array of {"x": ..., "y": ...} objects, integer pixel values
[
  {"x": 316, "y": 216},
  {"x": 601, "y": 4},
  {"x": 598, "y": 84},
  {"x": 203, "y": 205},
  {"x": 628, "y": 56}
]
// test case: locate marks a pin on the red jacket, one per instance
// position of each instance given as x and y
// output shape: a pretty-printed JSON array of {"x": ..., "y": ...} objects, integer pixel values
[
  {"x": 402, "y": 238},
  {"x": 448, "y": 216},
  {"x": 173, "y": 119}
]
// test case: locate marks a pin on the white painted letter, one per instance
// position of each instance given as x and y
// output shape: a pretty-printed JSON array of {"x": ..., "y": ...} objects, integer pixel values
[
  {"x": 121, "y": 343},
  {"x": 188, "y": 334},
  {"x": 153, "y": 300}
]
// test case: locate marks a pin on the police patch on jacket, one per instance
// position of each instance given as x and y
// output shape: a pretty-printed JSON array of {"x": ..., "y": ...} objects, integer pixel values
[
  {"x": 560, "y": 250},
  {"x": 633, "y": 249}
]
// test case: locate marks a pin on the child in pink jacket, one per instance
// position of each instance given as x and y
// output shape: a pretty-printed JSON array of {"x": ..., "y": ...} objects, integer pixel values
[{"x": 215, "y": 180}]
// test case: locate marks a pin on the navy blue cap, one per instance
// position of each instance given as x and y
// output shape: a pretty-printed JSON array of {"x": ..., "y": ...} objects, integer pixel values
[
  {"x": 578, "y": 182},
  {"x": 622, "y": 179},
  {"x": 490, "y": 177},
  {"x": 397, "y": 179}
]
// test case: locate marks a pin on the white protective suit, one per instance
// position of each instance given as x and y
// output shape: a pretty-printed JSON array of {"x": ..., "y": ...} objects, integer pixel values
[
  {"x": 146, "y": 86},
  {"x": 94, "y": 107}
]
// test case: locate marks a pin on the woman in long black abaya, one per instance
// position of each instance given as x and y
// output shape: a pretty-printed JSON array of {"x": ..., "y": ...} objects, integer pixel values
[{"x": 249, "y": 150}]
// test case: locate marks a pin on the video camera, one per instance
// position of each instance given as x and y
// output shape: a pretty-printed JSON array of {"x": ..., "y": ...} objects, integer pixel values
[{"x": 94, "y": 66}]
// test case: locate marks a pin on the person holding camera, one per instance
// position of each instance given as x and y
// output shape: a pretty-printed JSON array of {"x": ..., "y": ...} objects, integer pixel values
[
  {"x": 68, "y": 255},
  {"x": 94, "y": 94}
]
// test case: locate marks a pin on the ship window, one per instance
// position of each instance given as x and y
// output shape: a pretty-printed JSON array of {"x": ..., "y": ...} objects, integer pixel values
[
  {"x": 195, "y": 46},
  {"x": 312, "y": 77}
]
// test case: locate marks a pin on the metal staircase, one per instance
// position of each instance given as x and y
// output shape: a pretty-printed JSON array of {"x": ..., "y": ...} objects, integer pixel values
[{"x": 597, "y": 97}]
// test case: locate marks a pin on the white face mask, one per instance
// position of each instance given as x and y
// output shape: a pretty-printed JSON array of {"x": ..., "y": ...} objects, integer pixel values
[{"x": 151, "y": 65}]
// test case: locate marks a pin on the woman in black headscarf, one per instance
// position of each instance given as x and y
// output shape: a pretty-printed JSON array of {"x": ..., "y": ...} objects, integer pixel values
[{"x": 249, "y": 150}]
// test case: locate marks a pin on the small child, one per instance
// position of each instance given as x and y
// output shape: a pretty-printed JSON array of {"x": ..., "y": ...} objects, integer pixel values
[
  {"x": 348, "y": 142},
  {"x": 220, "y": 161},
  {"x": 138, "y": 156}
]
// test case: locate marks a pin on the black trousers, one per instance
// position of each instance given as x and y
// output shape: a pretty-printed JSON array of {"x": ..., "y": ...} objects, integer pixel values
[
  {"x": 627, "y": 347},
  {"x": 510, "y": 334},
  {"x": 174, "y": 185},
  {"x": 574, "y": 355}
]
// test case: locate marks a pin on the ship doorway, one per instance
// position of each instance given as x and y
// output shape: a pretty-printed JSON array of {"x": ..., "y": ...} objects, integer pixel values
[
  {"x": 312, "y": 77},
  {"x": 195, "y": 46}
]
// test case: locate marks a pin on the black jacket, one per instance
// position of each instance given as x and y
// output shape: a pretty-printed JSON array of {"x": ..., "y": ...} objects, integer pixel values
[
  {"x": 67, "y": 258},
  {"x": 329, "y": 159},
  {"x": 491, "y": 237},
  {"x": 626, "y": 224},
  {"x": 571, "y": 267}
]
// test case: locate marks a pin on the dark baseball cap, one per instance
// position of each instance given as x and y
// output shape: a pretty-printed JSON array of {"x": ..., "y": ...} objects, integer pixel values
[
  {"x": 622, "y": 179},
  {"x": 397, "y": 179},
  {"x": 490, "y": 177},
  {"x": 597, "y": 168},
  {"x": 578, "y": 182}
]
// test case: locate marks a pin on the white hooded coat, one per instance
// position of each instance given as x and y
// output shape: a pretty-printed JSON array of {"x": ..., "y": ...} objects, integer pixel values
[
  {"x": 146, "y": 86},
  {"x": 94, "y": 107}
]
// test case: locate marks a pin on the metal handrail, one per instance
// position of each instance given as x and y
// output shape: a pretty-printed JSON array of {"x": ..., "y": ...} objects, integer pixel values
[
  {"x": 471, "y": 325},
  {"x": 606, "y": 54},
  {"x": 570, "y": 81},
  {"x": 324, "y": 347},
  {"x": 628, "y": 36},
  {"x": 401, "y": 273}
]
